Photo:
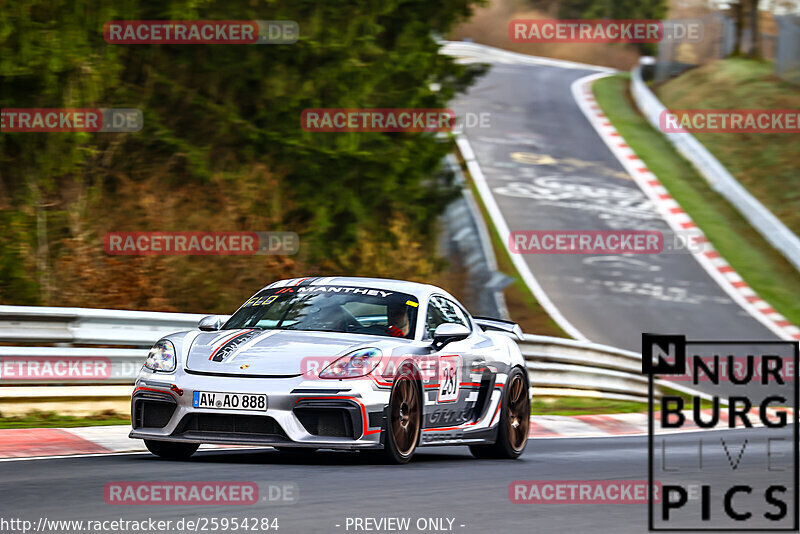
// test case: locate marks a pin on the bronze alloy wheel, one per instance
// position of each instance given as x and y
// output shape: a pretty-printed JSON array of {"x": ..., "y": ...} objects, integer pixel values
[
  {"x": 405, "y": 415},
  {"x": 517, "y": 413},
  {"x": 512, "y": 429}
]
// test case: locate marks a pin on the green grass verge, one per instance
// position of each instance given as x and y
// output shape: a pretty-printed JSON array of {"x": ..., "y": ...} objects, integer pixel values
[
  {"x": 53, "y": 420},
  {"x": 688, "y": 400},
  {"x": 592, "y": 406},
  {"x": 765, "y": 163},
  {"x": 761, "y": 266},
  {"x": 583, "y": 406}
]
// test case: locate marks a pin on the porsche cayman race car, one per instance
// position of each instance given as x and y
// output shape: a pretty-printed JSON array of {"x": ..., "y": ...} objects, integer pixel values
[{"x": 380, "y": 366}]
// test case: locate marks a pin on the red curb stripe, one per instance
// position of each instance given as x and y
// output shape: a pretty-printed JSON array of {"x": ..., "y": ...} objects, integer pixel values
[
  {"x": 752, "y": 298},
  {"x": 608, "y": 424},
  {"x": 723, "y": 415},
  {"x": 688, "y": 424},
  {"x": 538, "y": 431},
  {"x": 28, "y": 442},
  {"x": 678, "y": 210}
]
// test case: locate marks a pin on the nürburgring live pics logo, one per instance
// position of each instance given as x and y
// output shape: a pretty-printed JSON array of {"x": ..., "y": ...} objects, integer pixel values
[{"x": 749, "y": 472}]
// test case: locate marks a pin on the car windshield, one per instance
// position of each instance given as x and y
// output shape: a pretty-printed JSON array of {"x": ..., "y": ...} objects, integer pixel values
[{"x": 355, "y": 310}]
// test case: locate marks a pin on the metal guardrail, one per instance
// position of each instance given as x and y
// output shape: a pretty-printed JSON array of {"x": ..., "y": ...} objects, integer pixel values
[
  {"x": 89, "y": 326},
  {"x": 560, "y": 366},
  {"x": 569, "y": 367},
  {"x": 723, "y": 182},
  {"x": 69, "y": 365}
]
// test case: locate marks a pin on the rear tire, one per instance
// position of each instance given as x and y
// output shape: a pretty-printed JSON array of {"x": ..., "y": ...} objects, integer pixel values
[
  {"x": 171, "y": 450},
  {"x": 515, "y": 413},
  {"x": 404, "y": 423}
]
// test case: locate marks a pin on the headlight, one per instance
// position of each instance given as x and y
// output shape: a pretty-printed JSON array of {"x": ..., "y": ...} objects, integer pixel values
[
  {"x": 359, "y": 363},
  {"x": 161, "y": 357}
]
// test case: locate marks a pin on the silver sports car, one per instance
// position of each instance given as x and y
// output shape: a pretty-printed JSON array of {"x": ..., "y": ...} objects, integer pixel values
[{"x": 379, "y": 366}]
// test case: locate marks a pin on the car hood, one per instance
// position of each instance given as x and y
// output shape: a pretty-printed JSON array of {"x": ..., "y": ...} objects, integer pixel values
[{"x": 271, "y": 352}]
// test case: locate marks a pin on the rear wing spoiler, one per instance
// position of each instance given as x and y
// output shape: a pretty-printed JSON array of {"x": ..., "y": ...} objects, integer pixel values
[{"x": 509, "y": 327}]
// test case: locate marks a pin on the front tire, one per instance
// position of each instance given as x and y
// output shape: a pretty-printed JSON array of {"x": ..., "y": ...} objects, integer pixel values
[
  {"x": 515, "y": 413},
  {"x": 171, "y": 450},
  {"x": 404, "y": 423}
]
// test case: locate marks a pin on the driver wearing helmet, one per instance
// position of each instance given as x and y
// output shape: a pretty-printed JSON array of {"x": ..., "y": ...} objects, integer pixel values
[{"x": 397, "y": 319}]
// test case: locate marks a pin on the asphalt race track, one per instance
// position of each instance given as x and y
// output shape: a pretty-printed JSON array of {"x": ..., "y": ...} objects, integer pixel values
[
  {"x": 440, "y": 483},
  {"x": 547, "y": 168}
]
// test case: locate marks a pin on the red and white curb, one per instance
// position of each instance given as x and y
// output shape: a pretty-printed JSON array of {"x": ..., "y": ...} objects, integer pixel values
[
  {"x": 19, "y": 444},
  {"x": 709, "y": 258},
  {"x": 624, "y": 424}
]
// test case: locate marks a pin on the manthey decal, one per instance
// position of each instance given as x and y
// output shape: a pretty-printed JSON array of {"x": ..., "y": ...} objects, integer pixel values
[
  {"x": 229, "y": 344},
  {"x": 344, "y": 289}
]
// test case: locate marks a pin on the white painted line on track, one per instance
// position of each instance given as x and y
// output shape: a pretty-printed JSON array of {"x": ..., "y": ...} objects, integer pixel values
[
  {"x": 122, "y": 453},
  {"x": 481, "y": 52},
  {"x": 65, "y": 456},
  {"x": 501, "y": 226}
]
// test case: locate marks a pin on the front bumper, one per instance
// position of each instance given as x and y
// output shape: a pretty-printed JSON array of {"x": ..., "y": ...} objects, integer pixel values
[{"x": 331, "y": 414}]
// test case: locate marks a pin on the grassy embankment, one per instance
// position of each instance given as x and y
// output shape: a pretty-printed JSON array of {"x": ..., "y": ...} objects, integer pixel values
[
  {"x": 39, "y": 419},
  {"x": 761, "y": 266}
]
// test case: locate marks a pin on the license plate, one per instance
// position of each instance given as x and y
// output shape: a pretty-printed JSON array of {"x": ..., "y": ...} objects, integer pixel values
[{"x": 230, "y": 401}]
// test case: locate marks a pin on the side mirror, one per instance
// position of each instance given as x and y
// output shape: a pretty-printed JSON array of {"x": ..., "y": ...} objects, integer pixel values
[
  {"x": 448, "y": 332},
  {"x": 211, "y": 323}
]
